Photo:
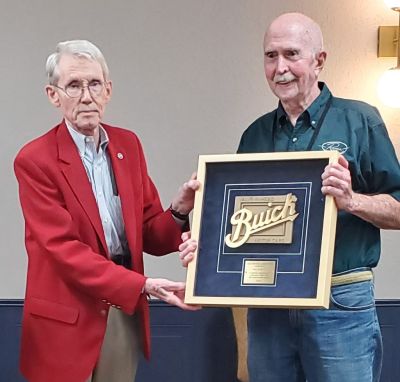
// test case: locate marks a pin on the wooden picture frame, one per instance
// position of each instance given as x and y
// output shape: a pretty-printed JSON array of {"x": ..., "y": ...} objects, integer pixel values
[{"x": 264, "y": 229}]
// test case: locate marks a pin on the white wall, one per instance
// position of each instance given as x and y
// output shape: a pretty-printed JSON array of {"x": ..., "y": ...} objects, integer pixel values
[{"x": 188, "y": 78}]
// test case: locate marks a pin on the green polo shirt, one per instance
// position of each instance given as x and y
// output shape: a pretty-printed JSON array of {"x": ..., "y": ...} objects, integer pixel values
[{"x": 356, "y": 130}]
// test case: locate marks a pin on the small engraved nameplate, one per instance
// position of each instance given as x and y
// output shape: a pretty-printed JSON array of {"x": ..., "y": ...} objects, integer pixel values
[{"x": 261, "y": 272}]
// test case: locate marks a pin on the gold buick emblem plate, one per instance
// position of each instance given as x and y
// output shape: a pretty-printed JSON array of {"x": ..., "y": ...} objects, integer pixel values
[{"x": 262, "y": 219}]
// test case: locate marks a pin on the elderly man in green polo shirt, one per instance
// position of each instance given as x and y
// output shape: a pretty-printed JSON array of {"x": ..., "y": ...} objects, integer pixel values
[{"x": 344, "y": 342}]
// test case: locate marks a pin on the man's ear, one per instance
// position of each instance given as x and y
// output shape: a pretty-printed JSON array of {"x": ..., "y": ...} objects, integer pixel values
[
  {"x": 320, "y": 58},
  {"x": 53, "y": 95},
  {"x": 108, "y": 90}
]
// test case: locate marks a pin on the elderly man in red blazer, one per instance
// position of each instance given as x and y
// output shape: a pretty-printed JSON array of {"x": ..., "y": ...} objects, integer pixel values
[{"x": 90, "y": 211}]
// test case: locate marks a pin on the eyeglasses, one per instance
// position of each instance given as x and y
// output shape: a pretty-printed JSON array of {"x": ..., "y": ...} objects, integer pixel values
[{"x": 75, "y": 89}]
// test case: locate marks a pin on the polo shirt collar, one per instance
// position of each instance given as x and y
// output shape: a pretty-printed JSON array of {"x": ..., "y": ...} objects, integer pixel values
[{"x": 314, "y": 111}]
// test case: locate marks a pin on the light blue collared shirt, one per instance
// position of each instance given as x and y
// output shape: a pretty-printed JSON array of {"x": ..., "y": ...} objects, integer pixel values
[{"x": 99, "y": 171}]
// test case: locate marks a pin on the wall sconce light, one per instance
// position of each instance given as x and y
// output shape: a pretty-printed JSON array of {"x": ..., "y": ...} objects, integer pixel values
[{"x": 388, "y": 46}]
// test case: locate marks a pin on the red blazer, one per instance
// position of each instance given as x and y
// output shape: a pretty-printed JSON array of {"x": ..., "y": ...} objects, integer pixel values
[{"x": 71, "y": 281}]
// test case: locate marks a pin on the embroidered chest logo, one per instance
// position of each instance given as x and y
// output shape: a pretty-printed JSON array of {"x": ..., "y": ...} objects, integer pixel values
[
  {"x": 262, "y": 219},
  {"x": 335, "y": 145}
]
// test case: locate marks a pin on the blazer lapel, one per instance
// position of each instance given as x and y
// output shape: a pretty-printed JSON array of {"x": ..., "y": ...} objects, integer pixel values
[
  {"x": 123, "y": 178},
  {"x": 75, "y": 173}
]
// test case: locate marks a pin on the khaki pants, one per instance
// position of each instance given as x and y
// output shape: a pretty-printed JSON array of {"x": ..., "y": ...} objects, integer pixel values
[{"x": 120, "y": 351}]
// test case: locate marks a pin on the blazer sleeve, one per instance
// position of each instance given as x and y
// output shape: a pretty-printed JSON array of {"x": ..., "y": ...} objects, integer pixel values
[{"x": 160, "y": 232}]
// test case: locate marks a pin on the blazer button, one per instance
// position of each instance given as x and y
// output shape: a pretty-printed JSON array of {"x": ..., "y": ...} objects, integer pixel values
[
  {"x": 103, "y": 312},
  {"x": 103, "y": 300}
]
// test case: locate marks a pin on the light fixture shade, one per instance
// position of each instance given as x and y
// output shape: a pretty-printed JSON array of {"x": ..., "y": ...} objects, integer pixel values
[
  {"x": 394, "y": 4},
  {"x": 389, "y": 88}
]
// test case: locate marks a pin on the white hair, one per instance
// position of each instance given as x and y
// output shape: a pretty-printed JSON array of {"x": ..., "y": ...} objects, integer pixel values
[{"x": 78, "y": 48}]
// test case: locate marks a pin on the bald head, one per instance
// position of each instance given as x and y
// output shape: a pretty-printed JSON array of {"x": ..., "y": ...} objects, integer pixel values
[
  {"x": 300, "y": 24},
  {"x": 293, "y": 60}
]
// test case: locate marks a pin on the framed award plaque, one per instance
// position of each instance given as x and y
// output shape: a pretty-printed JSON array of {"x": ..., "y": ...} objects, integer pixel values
[{"x": 265, "y": 231}]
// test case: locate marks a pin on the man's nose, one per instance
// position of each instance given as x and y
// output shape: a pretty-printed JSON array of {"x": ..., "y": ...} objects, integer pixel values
[
  {"x": 86, "y": 96},
  {"x": 281, "y": 65}
]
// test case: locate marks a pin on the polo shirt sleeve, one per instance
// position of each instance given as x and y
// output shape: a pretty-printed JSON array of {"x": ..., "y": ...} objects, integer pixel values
[
  {"x": 382, "y": 173},
  {"x": 257, "y": 138},
  {"x": 242, "y": 144}
]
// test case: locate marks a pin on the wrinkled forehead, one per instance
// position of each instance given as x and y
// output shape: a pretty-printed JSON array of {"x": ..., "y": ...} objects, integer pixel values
[
  {"x": 78, "y": 65},
  {"x": 288, "y": 36}
]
